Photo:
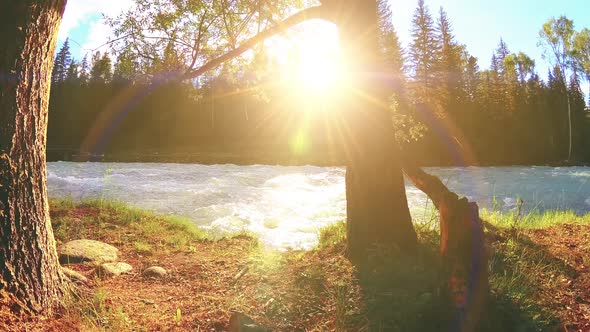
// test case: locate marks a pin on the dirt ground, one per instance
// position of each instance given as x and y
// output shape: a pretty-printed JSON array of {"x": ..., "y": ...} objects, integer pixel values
[
  {"x": 207, "y": 281},
  {"x": 569, "y": 244}
]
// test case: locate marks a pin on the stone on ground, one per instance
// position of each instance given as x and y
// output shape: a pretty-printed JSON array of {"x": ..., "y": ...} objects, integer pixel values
[
  {"x": 77, "y": 251},
  {"x": 113, "y": 269},
  {"x": 154, "y": 272},
  {"x": 239, "y": 322}
]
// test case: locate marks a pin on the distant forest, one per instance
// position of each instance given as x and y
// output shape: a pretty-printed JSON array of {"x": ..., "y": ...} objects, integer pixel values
[{"x": 445, "y": 108}]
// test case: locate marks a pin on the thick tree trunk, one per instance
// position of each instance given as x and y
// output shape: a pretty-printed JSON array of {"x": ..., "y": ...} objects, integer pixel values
[
  {"x": 377, "y": 208},
  {"x": 29, "y": 268}
]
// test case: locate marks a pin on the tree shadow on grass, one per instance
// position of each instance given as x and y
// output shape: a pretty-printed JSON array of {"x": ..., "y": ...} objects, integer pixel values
[
  {"x": 409, "y": 293},
  {"x": 321, "y": 290}
]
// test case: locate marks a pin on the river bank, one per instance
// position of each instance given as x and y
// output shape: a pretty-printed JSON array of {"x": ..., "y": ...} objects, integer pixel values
[{"x": 539, "y": 279}]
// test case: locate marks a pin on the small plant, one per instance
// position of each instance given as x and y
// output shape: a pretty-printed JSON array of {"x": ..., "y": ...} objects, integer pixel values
[
  {"x": 177, "y": 317},
  {"x": 494, "y": 204},
  {"x": 517, "y": 217},
  {"x": 142, "y": 247},
  {"x": 332, "y": 235}
]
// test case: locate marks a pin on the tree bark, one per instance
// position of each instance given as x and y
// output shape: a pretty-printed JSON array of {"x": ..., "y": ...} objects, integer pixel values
[
  {"x": 29, "y": 268},
  {"x": 461, "y": 247},
  {"x": 377, "y": 207}
]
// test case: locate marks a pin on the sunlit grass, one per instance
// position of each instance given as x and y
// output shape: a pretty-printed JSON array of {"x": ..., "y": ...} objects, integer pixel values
[
  {"x": 93, "y": 312},
  {"x": 101, "y": 219},
  {"x": 534, "y": 219},
  {"x": 403, "y": 293}
]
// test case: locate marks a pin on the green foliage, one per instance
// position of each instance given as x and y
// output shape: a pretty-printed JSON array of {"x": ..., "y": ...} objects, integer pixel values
[
  {"x": 169, "y": 36},
  {"x": 581, "y": 53},
  {"x": 101, "y": 71},
  {"x": 557, "y": 37},
  {"x": 447, "y": 111}
]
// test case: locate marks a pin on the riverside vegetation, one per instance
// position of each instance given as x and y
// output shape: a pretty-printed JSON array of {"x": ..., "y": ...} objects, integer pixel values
[{"x": 539, "y": 264}]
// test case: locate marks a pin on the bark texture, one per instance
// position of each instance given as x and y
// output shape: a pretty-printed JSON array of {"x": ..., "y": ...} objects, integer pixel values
[
  {"x": 377, "y": 208},
  {"x": 461, "y": 246},
  {"x": 29, "y": 268}
]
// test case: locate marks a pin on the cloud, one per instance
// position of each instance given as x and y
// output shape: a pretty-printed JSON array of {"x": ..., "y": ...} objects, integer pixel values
[{"x": 80, "y": 13}]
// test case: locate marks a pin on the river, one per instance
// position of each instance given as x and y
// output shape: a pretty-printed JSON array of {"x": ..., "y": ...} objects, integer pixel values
[{"x": 287, "y": 205}]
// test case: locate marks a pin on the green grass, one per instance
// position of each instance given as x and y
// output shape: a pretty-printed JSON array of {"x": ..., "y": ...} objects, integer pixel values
[
  {"x": 534, "y": 219},
  {"x": 103, "y": 218},
  {"x": 332, "y": 235},
  {"x": 405, "y": 293}
]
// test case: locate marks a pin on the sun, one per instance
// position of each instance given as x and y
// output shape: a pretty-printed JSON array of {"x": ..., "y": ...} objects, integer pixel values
[
  {"x": 310, "y": 60},
  {"x": 317, "y": 71}
]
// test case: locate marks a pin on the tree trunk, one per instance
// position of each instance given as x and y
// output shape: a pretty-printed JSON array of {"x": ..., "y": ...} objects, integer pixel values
[
  {"x": 29, "y": 268},
  {"x": 377, "y": 208}
]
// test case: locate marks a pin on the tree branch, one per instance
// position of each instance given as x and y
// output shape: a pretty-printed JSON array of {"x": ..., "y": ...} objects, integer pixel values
[{"x": 299, "y": 17}]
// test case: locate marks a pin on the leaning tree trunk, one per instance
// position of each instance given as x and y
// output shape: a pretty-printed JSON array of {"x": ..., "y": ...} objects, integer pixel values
[
  {"x": 377, "y": 208},
  {"x": 29, "y": 268}
]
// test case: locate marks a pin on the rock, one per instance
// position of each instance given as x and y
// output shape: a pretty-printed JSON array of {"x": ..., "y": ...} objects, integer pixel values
[
  {"x": 74, "y": 276},
  {"x": 86, "y": 251},
  {"x": 239, "y": 322},
  {"x": 154, "y": 272},
  {"x": 113, "y": 269}
]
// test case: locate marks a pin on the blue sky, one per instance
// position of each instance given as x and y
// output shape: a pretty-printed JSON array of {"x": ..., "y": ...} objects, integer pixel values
[{"x": 479, "y": 24}]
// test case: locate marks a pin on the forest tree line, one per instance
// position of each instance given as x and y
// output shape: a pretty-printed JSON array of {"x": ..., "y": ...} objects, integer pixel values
[{"x": 446, "y": 109}]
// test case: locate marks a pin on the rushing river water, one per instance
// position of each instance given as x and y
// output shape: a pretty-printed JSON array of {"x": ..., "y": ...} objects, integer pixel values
[{"x": 287, "y": 206}]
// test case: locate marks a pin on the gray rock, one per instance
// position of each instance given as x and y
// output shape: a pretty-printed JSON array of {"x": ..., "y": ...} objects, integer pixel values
[
  {"x": 74, "y": 276},
  {"x": 86, "y": 251},
  {"x": 154, "y": 272},
  {"x": 239, "y": 322},
  {"x": 113, "y": 269}
]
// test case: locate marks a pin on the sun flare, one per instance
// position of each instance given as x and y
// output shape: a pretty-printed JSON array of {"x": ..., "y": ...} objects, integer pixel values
[
  {"x": 310, "y": 60},
  {"x": 317, "y": 72}
]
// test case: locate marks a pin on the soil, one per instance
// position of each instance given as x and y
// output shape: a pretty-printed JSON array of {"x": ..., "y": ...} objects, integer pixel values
[
  {"x": 209, "y": 280},
  {"x": 570, "y": 301}
]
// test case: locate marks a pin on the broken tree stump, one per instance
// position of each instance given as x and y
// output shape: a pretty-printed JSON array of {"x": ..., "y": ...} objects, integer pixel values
[{"x": 462, "y": 248}]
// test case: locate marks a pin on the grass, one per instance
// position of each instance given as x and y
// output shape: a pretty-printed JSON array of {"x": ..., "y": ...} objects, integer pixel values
[
  {"x": 520, "y": 272},
  {"x": 100, "y": 219},
  {"x": 316, "y": 290},
  {"x": 534, "y": 219}
]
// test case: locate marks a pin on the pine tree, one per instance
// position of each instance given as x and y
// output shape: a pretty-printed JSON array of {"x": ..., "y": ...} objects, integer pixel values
[
  {"x": 72, "y": 72},
  {"x": 449, "y": 69},
  {"x": 578, "y": 104},
  {"x": 84, "y": 70},
  {"x": 423, "y": 49},
  {"x": 389, "y": 42},
  {"x": 502, "y": 52},
  {"x": 511, "y": 83},
  {"x": 61, "y": 63},
  {"x": 126, "y": 67},
  {"x": 101, "y": 68},
  {"x": 471, "y": 80}
]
